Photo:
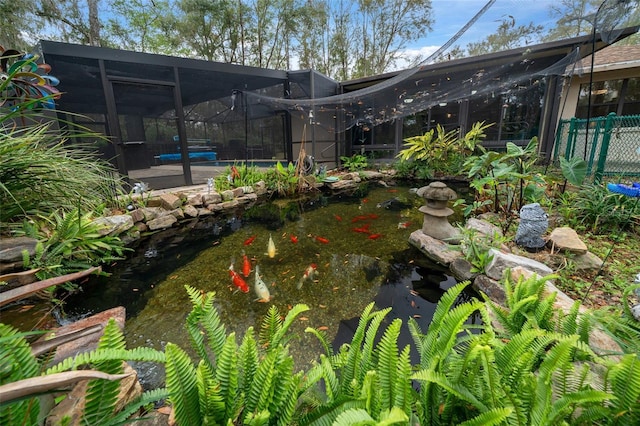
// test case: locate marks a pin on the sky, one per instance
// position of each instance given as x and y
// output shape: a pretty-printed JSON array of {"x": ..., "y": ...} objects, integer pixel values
[{"x": 452, "y": 15}]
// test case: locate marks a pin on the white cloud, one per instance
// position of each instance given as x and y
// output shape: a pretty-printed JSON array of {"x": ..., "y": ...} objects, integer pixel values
[{"x": 410, "y": 56}]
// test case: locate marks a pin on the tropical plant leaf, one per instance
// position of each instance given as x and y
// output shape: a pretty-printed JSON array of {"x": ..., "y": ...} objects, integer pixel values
[{"x": 574, "y": 170}]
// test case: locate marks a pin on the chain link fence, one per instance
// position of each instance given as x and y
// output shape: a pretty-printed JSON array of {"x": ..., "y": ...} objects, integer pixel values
[{"x": 610, "y": 145}]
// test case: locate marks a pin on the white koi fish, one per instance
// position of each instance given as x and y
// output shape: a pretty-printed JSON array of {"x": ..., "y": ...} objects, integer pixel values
[
  {"x": 261, "y": 289},
  {"x": 309, "y": 273},
  {"x": 271, "y": 248}
]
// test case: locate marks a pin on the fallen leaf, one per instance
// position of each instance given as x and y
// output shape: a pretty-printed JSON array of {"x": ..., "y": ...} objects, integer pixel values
[
  {"x": 323, "y": 328},
  {"x": 164, "y": 410},
  {"x": 303, "y": 319},
  {"x": 322, "y": 306}
]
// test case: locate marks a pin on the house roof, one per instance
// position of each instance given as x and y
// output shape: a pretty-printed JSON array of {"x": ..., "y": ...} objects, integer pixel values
[{"x": 612, "y": 58}]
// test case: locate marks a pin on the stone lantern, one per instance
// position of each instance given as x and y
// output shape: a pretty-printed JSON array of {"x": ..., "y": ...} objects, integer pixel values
[{"x": 435, "y": 223}]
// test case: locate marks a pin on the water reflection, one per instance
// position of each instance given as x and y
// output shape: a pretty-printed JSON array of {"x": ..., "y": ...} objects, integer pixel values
[{"x": 353, "y": 269}]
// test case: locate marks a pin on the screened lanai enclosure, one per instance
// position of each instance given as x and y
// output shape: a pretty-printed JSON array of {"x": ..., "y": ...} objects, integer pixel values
[{"x": 172, "y": 121}]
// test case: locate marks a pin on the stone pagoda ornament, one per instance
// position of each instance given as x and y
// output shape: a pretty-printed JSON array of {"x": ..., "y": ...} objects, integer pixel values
[{"x": 435, "y": 223}]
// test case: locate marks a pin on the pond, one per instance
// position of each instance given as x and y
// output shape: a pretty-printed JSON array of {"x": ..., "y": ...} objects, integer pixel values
[{"x": 356, "y": 246}]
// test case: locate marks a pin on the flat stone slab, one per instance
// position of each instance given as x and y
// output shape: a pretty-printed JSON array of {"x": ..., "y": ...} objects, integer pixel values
[
  {"x": 566, "y": 239},
  {"x": 436, "y": 250},
  {"x": 503, "y": 261}
]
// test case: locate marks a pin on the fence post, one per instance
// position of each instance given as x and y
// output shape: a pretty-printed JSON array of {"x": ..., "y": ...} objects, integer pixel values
[
  {"x": 571, "y": 139},
  {"x": 604, "y": 149}
]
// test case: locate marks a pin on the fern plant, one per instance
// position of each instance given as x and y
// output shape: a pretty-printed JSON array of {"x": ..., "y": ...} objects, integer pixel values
[
  {"x": 250, "y": 384},
  {"x": 69, "y": 242},
  {"x": 365, "y": 381},
  {"x": 21, "y": 371}
]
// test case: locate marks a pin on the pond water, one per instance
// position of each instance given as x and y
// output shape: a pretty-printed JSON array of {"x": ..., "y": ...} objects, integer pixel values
[{"x": 358, "y": 245}]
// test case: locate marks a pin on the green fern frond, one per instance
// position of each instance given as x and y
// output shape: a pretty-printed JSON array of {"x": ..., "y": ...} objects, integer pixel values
[
  {"x": 366, "y": 353},
  {"x": 447, "y": 336},
  {"x": 387, "y": 354},
  {"x": 322, "y": 337},
  {"x": 262, "y": 387},
  {"x": 402, "y": 390},
  {"x": 325, "y": 415},
  {"x": 17, "y": 363},
  {"x": 270, "y": 326},
  {"x": 226, "y": 373},
  {"x": 568, "y": 323},
  {"x": 349, "y": 370},
  {"x": 278, "y": 338},
  {"x": 566, "y": 405},
  {"x": 289, "y": 400},
  {"x": 99, "y": 355},
  {"x": 495, "y": 416},
  {"x": 354, "y": 417},
  {"x": 102, "y": 395},
  {"x": 124, "y": 416},
  {"x": 182, "y": 387},
  {"x": 247, "y": 360},
  {"x": 282, "y": 383},
  {"x": 625, "y": 385},
  {"x": 453, "y": 388},
  {"x": 557, "y": 358},
  {"x": 211, "y": 402},
  {"x": 257, "y": 419},
  {"x": 416, "y": 334}
]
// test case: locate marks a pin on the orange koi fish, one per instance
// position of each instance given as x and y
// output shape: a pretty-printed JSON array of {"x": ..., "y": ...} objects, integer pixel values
[
  {"x": 374, "y": 236},
  {"x": 359, "y": 218},
  {"x": 338, "y": 218},
  {"x": 249, "y": 240},
  {"x": 309, "y": 273},
  {"x": 322, "y": 240},
  {"x": 246, "y": 265},
  {"x": 372, "y": 216},
  {"x": 294, "y": 239},
  {"x": 237, "y": 280},
  {"x": 363, "y": 229}
]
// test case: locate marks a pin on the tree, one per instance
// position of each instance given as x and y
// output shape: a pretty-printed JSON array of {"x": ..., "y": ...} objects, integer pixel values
[
  {"x": 72, "y": 20},
  {"x": 139, "y": 25},
  {"x": 508, "y": 36},
  {"x": 571, "y": 20},
  {"x": 384, "y": 28}
]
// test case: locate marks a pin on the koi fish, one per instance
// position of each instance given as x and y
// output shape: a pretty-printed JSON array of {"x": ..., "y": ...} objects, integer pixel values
[
  {"x": 322, "y": 240},
  {"x": 261, "y": 289},
  {"x": 249, "y": 240},
  {"x": 372, "y": 216},
  {"x": 359, "y": 218},
  {"x": 246, "y": 265},
  {"x": 237, "y": 280},
  {"x": 363, "y": 229},
  {"x": 404, "y": 225},
  {"x": 294, "y": 239},
  {"x": 374, "y": 236},
  {"x": 338, "y": 218},
  {"x": 271, "y": 248},
  {"x": 309, "y": 273}
]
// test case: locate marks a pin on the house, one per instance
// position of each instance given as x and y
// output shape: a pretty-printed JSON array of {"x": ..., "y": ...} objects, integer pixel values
[{"x": 155, "y": 108}]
